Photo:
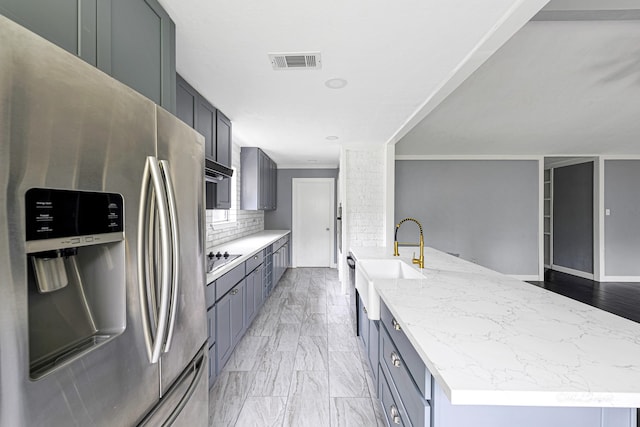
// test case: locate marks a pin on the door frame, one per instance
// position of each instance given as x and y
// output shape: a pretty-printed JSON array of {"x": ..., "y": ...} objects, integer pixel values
[
  {"x": 567, "y": 160},
  {"x": 294, "y": 218}
]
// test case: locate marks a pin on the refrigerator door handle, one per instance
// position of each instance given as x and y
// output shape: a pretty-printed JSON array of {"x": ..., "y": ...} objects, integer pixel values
[
  {"x": 175, "y": 248},
  {"x": 153, "y": 176}
]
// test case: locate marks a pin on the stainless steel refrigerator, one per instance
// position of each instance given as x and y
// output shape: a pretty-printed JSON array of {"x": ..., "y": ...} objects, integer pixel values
[{"x": 102, "y": 312}]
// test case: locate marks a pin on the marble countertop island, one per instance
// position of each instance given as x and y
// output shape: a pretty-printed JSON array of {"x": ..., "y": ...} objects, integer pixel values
[{"x": 489, "y": 339}]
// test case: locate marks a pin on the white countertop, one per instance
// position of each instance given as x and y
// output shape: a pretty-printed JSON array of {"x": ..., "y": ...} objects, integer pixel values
[
  {"x": 245, "y": 246},
  {"x": 489, "y": 339}
]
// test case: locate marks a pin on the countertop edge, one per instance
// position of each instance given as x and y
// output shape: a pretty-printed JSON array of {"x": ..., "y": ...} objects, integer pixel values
[{"x": 264, "y": 238}]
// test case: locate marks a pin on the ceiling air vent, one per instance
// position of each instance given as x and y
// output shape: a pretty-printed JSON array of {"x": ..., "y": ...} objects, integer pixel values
[{"x": 295, "y": 61}]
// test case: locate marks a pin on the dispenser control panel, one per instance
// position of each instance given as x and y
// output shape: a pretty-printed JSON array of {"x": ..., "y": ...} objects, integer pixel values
[{"x": 77, "y": 217}]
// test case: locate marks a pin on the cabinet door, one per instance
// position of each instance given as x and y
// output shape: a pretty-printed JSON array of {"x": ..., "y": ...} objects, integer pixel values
[
  {"x": 263, "y": 174},
  {"x": 206, "y": 125},
  {"x": 364, "y": 327},
  {"x": 249, "y": 301},
  {"x": 211, "y": 325},
  {"x": 142, "y": 53},
  {"x": 223, "y": 139},
  {"x": 58, "y": 21},
  {"x": 373, "y": 352},
  {"x": 223, "y": 331},
  {"x": 223, "y": 155},
  {"x": 273, "y": 184},
  {"x": 186, "y": 101},
  {"x": 237, "y": 311},
  {"x": 259, "y": 294}
]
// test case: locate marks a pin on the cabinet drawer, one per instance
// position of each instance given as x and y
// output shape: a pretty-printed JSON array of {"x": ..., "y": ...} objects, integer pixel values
[
  {"x": 412, "y": 360},
  {"x": 210, "y": 293},
  {"x": 254, "y": 261},
  {"x": 415, "y": 405},
  {"x": 392, "y": 410},
  {"x": 229, "y": 280}
]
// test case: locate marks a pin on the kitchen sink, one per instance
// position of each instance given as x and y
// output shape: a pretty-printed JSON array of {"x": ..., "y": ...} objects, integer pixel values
[
  {"x": 370, "y": 271},
  {"x": 390, "y": 269}
]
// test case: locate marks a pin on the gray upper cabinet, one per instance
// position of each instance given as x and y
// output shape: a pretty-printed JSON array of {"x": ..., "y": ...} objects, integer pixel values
[
  {"x": 259, "y": 174},
  {"x": 143, "y": 39},
  {"x": 223, "y": 155},
  {"x": 193, "y": 109},
  {"x": 58, "y": 21},
  {"x": 131, "y": 40},
  {"x": 186, "y": 99},
  {"x": 206, "y": 125}
]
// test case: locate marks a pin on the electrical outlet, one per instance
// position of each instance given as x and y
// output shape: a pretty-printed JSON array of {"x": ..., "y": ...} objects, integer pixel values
[{"x": 607, "y": 212}]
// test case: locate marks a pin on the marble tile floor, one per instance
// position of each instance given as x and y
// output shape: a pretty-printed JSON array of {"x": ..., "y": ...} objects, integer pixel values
[{"x": 299, "y": 364}]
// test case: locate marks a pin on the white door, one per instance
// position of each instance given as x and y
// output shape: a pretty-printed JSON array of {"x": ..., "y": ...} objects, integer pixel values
[{"x": 313, "y": 218}]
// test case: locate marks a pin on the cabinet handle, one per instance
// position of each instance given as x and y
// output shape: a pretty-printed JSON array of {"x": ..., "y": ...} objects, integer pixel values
[
  {"x": 364, "y": 309},
  {"x": 234, "y": 292},
  {"x": 396, "y": 325},
  {"x": 255, "y": 257},
  {"x": 395, "y": 359},
  {"x": 395, "y": 414}
]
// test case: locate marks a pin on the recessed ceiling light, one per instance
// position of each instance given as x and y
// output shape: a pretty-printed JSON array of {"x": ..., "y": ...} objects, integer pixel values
[
  {"x": 335, "y": 83},
  {"x": 331, "y": 138}
]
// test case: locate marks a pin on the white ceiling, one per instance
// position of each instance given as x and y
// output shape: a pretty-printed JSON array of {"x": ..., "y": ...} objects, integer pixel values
[
  {"x": 555, "y": 88},
  {"x": 395, "y": 56}
]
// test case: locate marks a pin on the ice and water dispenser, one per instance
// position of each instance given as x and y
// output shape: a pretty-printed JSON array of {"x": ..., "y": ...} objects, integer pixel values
[{"x": 76, "y": 269}]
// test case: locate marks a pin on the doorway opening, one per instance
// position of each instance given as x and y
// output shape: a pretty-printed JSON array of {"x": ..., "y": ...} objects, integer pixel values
[{"x": 569, "y": 215}]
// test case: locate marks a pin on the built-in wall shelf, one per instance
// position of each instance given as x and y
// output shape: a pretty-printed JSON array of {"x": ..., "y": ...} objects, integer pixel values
[{"x": 547, "y": 217}]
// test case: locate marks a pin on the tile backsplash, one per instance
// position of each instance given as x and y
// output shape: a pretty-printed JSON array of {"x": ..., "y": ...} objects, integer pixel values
[{"x": 247, "y": 222}]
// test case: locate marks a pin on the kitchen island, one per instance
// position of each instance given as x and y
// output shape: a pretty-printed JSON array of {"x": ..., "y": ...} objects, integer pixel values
[{"x": 504, "y": 352}]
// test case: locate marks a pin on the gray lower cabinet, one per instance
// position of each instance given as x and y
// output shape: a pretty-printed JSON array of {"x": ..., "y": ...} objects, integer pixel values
[
  {"x": 131, "y": 40},
  {"x": 224, "y": 341},
  {"x": 252, "y": 289},
  {"x": 410, "y": 397},
  {"x": 368, "y": 333},
  {"x": 238, "y": 325},
  {"x": 238, "y": 299},
  {"x": 255, "y": 296},
  {"x": 280, "y": 258},
  {"x": 401, "y": 370},
  {"x": 229, "y": 323},
  {"x": 267, "y": 277}
]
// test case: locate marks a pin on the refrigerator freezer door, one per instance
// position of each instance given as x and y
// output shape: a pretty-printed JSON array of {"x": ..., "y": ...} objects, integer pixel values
[
  {"x": 187, "y": 402},
  {"x": 181, "y": 151},
  {"x": 66, "y": 125}
]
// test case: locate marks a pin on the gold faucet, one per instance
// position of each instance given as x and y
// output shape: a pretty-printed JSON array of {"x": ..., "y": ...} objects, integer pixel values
[{"x": 419, "y": 261}]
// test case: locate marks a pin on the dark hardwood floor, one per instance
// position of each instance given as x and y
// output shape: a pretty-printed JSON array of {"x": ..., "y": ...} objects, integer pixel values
[{"x": 622, "y": 299}]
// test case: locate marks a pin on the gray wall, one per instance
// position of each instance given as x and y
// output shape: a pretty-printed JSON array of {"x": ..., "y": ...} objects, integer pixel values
[
  {"x": 280, "y": 219},
  {"x": 573, "y": 217},
  {"x": 622, "y": 227},
  {"x": 485, "y": 210}
]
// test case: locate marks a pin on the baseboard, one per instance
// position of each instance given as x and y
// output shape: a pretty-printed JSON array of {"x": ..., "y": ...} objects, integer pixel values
[
  {"x": 527, "y": 277},
  {"x": 621, "y": 279},
  {"x": 572, "y": 272}
]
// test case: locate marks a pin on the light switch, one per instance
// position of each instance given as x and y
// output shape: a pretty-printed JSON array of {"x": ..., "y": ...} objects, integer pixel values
[{"x": 607, "y": 212}]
